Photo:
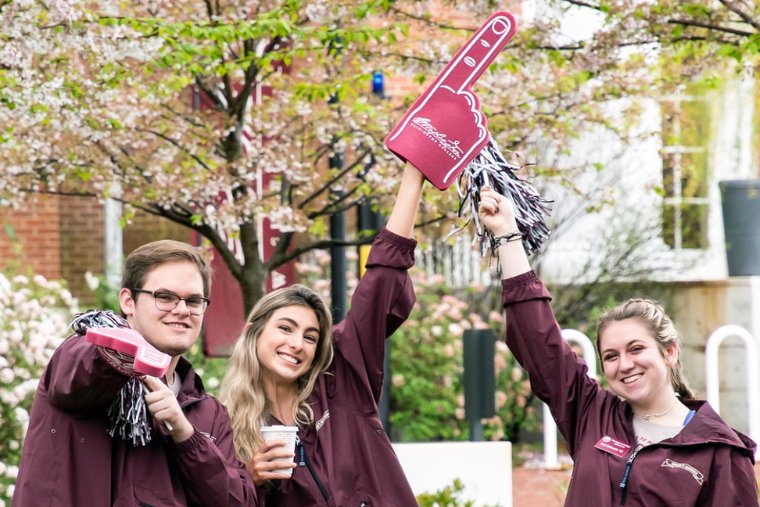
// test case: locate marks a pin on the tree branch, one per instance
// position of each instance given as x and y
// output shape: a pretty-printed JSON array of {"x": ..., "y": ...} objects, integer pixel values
[
  {"x": 204, "y": 229},
  {"x": 280, "y": 255},
  {"x": 208, "y": 91},
  {"x": 325, "y": 244},
  {"x": 177, "y": 145},
  {"x": 428, "y": 22},
  {"x": 188, "y": 119},
  {"x": 58, "y": 192},
  {"x": 371, "y": 54},
  {"x": 432, "y": 221},
  {"x": 737, "y": 10},
  {"x": 718, "y": 28},
  {"x": 334, "y": 179},
  {"x": 332, "y": 208},
  {"x": 579, "y": 3}
]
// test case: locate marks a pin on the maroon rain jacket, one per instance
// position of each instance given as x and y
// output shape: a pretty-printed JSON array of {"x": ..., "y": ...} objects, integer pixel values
[
  {"x": 706, "y": 464},
  {"x": 69, "y": 460},
  {"x": 346, "y": 457}
]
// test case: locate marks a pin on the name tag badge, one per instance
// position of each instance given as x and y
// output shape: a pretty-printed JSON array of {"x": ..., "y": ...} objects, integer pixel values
[{"x": 612, "y": 446}]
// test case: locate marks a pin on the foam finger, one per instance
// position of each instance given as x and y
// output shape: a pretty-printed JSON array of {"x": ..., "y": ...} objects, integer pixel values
[{"x": 479, "y": 52}]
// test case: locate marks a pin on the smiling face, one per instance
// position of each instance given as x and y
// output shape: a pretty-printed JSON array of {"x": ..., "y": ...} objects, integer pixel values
[
  {"x": 172, "y": 332},
  {"x": 287, "y": 345},
  {"x": 636, "y": 366}
]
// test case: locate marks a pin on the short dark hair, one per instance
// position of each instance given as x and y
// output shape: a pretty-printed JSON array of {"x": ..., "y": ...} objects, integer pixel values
[{"x": 148, "y": 257}]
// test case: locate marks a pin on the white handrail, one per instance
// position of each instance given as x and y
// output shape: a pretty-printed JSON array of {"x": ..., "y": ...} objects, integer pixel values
[
  {"x": 550, "y": 427},
  {"x": 712, "y": 377}
]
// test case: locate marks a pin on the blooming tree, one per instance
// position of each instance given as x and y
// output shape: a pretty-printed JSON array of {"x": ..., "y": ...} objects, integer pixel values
[
  {"x": 34, "y": 317},
  {"x": 215, "y": 115}
]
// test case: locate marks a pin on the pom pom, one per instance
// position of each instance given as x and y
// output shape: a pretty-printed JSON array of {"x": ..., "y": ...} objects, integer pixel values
[
  {"x": 491, "y": 169},
  {"x": 128, "y": 414}
]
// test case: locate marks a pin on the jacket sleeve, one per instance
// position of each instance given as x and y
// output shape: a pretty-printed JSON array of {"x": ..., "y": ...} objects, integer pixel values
[
  {"x": 382, "y": 301},
  {"x": 732, "y": 481},
  {"x": 211, "y": 472},
  {"x": 557, "y": 375},
  {"x": 79, "y": 379}
]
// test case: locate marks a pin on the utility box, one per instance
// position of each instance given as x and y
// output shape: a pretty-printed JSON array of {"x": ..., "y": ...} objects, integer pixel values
[{"x": 479, "y": 379}]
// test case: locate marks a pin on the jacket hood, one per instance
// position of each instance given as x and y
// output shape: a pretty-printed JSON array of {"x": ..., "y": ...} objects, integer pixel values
[{"x": 707, "y": 426}]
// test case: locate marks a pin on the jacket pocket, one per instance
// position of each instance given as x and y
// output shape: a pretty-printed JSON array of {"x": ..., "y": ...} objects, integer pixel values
[
  {"x": 363, "y": 499},
  {"x": 146, "y": 497}
]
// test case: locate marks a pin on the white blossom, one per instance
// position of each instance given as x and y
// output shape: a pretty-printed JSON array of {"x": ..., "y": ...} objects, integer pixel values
[
  {"x": 92, "y": 281},
  {"x": 34, "y": 316}
]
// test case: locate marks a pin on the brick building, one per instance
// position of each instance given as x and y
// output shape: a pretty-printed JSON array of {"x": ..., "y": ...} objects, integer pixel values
[{"x": 62, "y": 237}]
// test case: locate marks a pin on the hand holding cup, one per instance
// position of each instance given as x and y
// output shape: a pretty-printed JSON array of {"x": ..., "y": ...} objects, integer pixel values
[{"x": 274, "y": 458}]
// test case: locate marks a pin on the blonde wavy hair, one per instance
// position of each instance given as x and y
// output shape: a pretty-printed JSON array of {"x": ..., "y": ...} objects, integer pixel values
[
  {"x": 242, "y": 389},
  {"x": 653, "y": 316}
]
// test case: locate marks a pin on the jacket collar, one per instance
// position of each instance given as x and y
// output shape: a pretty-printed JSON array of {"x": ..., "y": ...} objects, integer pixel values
[
  {"x": 707, "y": 426},
  {"x": 192, "y": 389}
]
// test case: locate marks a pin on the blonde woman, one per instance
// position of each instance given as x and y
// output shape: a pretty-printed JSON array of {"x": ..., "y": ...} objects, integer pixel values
[
  {"x": 646, "y": 441},
  {"x": 291, "y": 368}
]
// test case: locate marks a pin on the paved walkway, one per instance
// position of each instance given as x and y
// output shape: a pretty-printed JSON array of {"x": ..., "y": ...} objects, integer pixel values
[{"x": 536, "y": 487}]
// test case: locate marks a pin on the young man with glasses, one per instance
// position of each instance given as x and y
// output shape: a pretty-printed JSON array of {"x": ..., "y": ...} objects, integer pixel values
[{"x": 69, "y": 459}]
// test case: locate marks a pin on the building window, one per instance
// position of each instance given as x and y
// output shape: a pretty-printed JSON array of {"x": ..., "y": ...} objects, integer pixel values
[{"x": 685, "y": 174}]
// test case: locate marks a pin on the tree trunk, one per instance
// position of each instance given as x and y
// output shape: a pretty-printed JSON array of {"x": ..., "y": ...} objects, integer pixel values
[{"x": 253, "y": 286}]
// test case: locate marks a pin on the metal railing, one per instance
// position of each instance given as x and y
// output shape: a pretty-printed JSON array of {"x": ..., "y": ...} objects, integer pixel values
[
  {"x": 712, "y": 377},
  {"x": 550, "y": 427}
]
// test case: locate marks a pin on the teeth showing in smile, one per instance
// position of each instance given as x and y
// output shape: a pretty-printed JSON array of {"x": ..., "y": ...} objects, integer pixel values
[
  {"x": 178, "y": 325},
  {"x": 290, "y": 359},
  {"x": 631, "y": 379}
]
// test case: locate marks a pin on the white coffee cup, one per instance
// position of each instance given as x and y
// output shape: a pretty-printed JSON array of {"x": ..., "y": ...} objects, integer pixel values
[{"x": 288, "y": 435}]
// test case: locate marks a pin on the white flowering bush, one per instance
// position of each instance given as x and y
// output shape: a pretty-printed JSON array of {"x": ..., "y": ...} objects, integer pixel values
[{"x": 34, "y": 317}]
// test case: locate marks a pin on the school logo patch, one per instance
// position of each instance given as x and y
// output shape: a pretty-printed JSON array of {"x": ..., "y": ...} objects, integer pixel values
[
  {"x": 322, "y": 419},
  {"x": 698, "y": 476}
]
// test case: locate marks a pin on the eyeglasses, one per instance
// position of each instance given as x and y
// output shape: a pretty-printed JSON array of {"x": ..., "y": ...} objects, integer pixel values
[{"x": 168, "y": 301}]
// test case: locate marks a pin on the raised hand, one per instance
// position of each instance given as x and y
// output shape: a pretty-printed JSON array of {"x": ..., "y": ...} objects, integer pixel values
[
  {"x": 445, "y": 129},
  {"x": 263, "y": 466},
  {"x": 496, "y": 212},
  {"x": 165, "y": 409}
]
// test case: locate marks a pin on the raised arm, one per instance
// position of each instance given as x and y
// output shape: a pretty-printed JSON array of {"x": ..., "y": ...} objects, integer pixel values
[
  {"x": 384, "y": 297},
  {"x": 78, "y": 379},
  {"x": 404, "y": 212},
  {"x": 557, "y": 375}
]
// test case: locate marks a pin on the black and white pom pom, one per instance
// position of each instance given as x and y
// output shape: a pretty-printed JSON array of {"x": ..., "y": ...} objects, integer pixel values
[
  {"x": 491, "y": 169},
  {"x": 128, "y": 413}
]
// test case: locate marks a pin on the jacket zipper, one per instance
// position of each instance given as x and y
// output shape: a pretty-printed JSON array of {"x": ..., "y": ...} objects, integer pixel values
[
  {"x": 624, "y": 482},
  {"x": 304, "y": 460}
]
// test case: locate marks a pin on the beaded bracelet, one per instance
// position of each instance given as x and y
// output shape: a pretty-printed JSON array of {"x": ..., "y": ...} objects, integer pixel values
[{"x": 506, "y": 238}]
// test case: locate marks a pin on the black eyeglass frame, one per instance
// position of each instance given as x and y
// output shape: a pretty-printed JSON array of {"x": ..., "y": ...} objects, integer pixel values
[{"x": 206, "y": 300}]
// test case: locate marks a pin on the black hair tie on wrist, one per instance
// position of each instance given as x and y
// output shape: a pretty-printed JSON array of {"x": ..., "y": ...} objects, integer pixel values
[{"x": 497, "y": 241}]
